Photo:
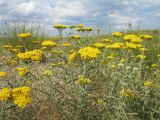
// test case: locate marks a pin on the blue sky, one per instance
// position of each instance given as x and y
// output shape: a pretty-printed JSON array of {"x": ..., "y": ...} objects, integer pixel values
[{"x": 107, "y": 14}]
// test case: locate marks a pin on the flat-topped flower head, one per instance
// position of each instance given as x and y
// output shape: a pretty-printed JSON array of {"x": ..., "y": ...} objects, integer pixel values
[
  {"x": 116, "y": 45},
  {"x": 127, "y": 93},
  {"x": 146, "y": 37},
  {"x": 132, "y": 38},
  {"x": 48, "y": 43},
  {"x": 7, "y": 47},
  {"x": 117, "y": 34},
  {"x": 141, "y": 57},
  {"x": 60, "y": 26},
  {"x": 3, "y": 74},
  {"x": 35, "y": 55},
  {"x": 72, "y": 57},
  {"x": 24, "y": 35},
  {"x": 21, "y": 97},
  {"x": 76, "y": 36},
  {"x": 4, "y": 94},
  {"x": 87, "y": 53},
  {"x": 72, "y": 26},
  {"x": 83, "y": 80},
  {"x": 107, "y": 40},
  {"x": 80, "y": 25},
  {"x": 130, "y": 45},
  {"x": 66, "y": 45},
  {"x": 99, "y": 45},
  {"x": 22, "y": 71},
  {"x": 87, "y": 29}
]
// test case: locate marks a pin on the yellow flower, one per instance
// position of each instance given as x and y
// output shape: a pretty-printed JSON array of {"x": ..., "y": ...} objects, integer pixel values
[
  {"x": 107, "y": 40},
  {"x": 110, "y": 57},
  {"x": 4, "y": 94},
  {"x": 21, "y": 97},
  {"x": 18, "y": 46},
  {"x": 14, "y": 50},
  {"x": 100, "y": 101},
  {"x": 115, "y": 46},
  {"x": 22, "y": 101},
  {"x": 158, "y": 55},
  {"x": 60, "y": 26},
  {"x": 141, "y": 57},
  {"x": 80, "y": 25},
  {"x": 12, "y": 61},
  {"x": 146, "y": 37},
  {"x": 122, "y": 60},
  {"x": 72, "y": 26},
  {"x": 35, "y": 55},
  {"x": 7, "y": 47},
  {"x": 3, "y": 74},
  {"x": 143, "y": 49},
  {"x": 24, "y": 35},
  {"x": 57, "y": 64},
  {"x": 127, "y": 93},
  {"x": 99, "y": 45},
  {"x": 89, "y": 53},
  {"x": 66, "y": 44},
  {"x": 149, "y": 84},
  {"x": 83, "y": 80},
  {"x": 113, "y": 66},
  {"x": 154, "y": 65},
  {"x": 117, "y": 34},
  {"x": 47, "y": 73},
  {"x": 72, "y": 57},
  {"x": 76, "y": 36},
  {"x": 87, "y": 29},
  {"x": 132, "y": 45},
  {"x": 132, "y": 38},
  {"x": 48, "y": 43},
  {"x": 22, "y": 71}
]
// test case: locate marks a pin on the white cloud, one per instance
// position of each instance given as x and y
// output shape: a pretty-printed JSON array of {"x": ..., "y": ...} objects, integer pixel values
[
  {"x": 121, "y": 22},
  {"x": 119, "y": 19},
  {"x": 26, "y": 7}
]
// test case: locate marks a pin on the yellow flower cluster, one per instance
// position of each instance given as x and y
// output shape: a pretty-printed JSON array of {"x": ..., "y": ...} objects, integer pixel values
[
  {"x": 24, "y": 35},
  {"x": 149, "y": 84},
  {"x": 72, "y": 57},
  {"x": 80, "y": 25},
  {"x": 47, "y": 73},
  {"x": 60, "y": 26},
  {"x": 107, "y": 40},
  {"x": 146, "y": 37},
  {"x": 66, "y": 44},
  {"x": 99, "y": 45},
  {"x": 83, "y": 80},
  {"x": 4, "y": 94},
  {"x": 84, "y": 29},
  {"x": 72, "y": 26},
  {"x": 141, "y": 57},
  {"x": 89, "y": 53},
  {"x": 115, "y": 45},
  {"x": 132, "y": 45},
  {"x": 3, "y": 74},
  {"x": 76, "y": 36},
  {"x": 48, "y": 43},
  {"x": 132, "y": 38},
  {"x": 127, "y": 93},
  {"x": 22, "y": 71},
  {"x": 117, "y": 34},
  {"x": 35, "y": 55},
  {"x": 7, "y": 47},
  {"x": 19, "y": 95}
]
